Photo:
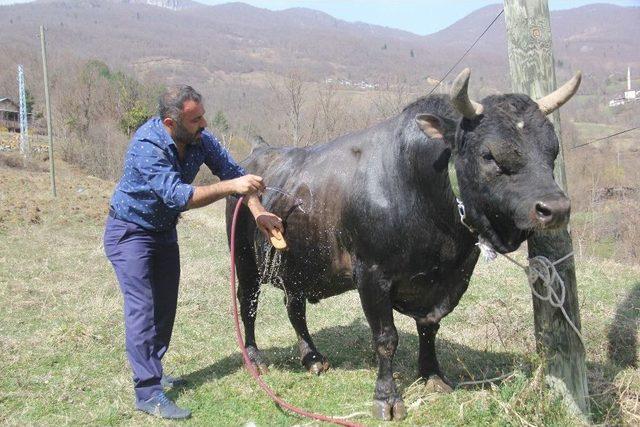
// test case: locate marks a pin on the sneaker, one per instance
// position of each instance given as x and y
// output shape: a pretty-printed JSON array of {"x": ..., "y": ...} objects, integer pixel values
[
  {"x": 160, "y": 405},
  {"x": 168, "y": 381}
]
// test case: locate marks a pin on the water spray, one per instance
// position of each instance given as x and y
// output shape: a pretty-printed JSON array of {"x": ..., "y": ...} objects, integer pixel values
[{"x": 245, "y": 356}]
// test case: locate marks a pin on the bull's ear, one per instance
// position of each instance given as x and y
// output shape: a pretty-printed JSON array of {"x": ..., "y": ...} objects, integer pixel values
[{"x": 430, "y": 125}]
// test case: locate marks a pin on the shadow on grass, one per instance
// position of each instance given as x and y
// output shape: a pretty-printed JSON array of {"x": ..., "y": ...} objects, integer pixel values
[
  {"x": 622, "y": 344},
  {"x": 623, "y": 332},
  {"x": 349, "y": 348}
]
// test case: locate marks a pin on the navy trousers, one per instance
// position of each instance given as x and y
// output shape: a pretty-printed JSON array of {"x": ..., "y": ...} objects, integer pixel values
[{"x": 147, "y": 265}]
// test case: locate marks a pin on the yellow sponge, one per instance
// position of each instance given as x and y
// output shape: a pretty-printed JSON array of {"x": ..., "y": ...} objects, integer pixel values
[{"x": 277, "y": 240}]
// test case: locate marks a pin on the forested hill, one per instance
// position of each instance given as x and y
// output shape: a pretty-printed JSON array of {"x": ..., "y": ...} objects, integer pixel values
[{"x": 186, "y": 38}]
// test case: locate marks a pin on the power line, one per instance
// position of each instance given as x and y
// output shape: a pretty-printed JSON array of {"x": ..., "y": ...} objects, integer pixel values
[
  {"x": 468, "y": 50},
  {"x": 606, "y": 137}
]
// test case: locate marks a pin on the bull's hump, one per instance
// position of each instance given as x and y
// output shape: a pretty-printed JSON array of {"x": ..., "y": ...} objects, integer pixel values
[{"x": 258, "y": 143}]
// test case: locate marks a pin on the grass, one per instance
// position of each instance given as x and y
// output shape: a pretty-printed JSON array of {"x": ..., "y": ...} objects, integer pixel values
[{"x": 62, "y": 338}]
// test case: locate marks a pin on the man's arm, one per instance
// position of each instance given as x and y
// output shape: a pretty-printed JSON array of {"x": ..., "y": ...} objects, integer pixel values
[
  {"x": 265, "y": 220},
  {"x": 222, "y": 164},
  {"x": 207, "y": 194},
  {"x": 249, "y": 185}
]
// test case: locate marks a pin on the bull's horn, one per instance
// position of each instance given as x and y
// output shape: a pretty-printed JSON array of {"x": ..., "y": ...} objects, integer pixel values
[
  {"x": 460, "y": 98},
  {"x": 557, "y": 98}
]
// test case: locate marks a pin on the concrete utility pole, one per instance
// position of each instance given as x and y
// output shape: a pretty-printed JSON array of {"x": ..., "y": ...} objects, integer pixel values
[
  {"x": 532, "y": 72},
  {"x": 52, "y": 169}
]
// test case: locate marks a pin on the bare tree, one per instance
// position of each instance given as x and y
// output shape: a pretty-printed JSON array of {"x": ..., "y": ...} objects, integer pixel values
[
  {"x": 290, "y": 100},
  {"x": 394, "y": 98},
  {"x": 330, "y": 110}
]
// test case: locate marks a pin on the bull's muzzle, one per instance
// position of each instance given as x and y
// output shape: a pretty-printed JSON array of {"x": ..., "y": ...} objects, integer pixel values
[{"x": 552, "y": 212}]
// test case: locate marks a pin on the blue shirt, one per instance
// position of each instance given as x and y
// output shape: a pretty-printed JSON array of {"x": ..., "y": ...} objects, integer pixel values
[{"x": 156, "y": 186}]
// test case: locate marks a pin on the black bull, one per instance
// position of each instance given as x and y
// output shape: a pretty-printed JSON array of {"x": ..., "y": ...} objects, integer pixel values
[{"x": 374, "y": 211}]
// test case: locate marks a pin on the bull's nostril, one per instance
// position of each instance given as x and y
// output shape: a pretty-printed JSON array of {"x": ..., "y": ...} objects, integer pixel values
[{"x": 543, "y": 212}]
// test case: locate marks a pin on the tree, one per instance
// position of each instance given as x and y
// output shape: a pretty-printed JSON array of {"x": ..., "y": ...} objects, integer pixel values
[
  {"x": 29, "y": 100},
  {"x": 330, "y": 110},
  {"x": 134, "y": 117},
  {"x": 221, "y": 125},
  {"x": 290, "y": 98},
  {"x": 394, "y": 98},
  {"x": 220, "y": 122}
]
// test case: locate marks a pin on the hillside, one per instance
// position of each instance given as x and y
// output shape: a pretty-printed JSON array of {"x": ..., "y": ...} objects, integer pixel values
[{"x": 205, "y": 41}]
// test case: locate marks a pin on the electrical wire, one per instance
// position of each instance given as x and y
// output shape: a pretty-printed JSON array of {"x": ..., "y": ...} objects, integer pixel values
[
  {"x": 605, "y": 137},
  {"x": 468, "y": 50}
]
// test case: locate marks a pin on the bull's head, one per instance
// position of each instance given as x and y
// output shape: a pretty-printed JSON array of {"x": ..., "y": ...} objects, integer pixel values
[{"x": 504, "y": 154}]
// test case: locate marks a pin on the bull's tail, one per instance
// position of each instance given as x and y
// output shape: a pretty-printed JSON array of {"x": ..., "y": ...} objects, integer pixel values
[{"x": 258, "y": 142}]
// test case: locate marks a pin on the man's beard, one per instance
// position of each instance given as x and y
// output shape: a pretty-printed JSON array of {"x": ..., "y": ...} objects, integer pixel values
[{"x": 183, "y": 136}]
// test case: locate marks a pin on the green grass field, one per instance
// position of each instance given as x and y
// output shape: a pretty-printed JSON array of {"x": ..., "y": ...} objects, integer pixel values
[{"x": 62, "y": 340}]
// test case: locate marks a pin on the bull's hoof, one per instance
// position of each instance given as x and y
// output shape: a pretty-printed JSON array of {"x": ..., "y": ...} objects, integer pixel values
[
  {"x": 315, "y": 363},
  {"x": 257, "y": 360},
  {"x": 381, "y": 410},
  {"x": 437, "y": 384},
  {"x": 399, "y": 411},
  {"x": 384, "y": 411}
]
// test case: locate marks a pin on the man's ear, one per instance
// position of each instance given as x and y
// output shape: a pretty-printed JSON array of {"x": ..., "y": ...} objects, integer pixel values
[
  {"x": 169, "y": 122},
  {"x": 430, "y": 125}
]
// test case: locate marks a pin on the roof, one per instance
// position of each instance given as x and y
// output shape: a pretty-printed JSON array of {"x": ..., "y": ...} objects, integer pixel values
[{"x": 14, "y": 107}]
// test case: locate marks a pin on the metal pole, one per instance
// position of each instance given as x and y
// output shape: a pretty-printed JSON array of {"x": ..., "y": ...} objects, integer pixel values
[
  {"x": 532, "y": 72},
  {"x": 24, "y": 123},
  {"x": 52, "y": 168}
]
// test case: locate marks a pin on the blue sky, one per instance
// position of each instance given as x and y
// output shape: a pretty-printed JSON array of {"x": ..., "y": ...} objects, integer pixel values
[{"x": 417, "y": 16}]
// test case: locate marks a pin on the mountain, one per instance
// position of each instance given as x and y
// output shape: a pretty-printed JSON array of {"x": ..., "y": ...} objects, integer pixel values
[
  {"x": 167, "y": 4},
  {"x": 235, "y": 38},
  {"x": 599, "y": 39}
]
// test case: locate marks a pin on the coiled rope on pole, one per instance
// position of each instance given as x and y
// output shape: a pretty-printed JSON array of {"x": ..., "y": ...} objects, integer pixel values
[{"x": 542, "y": 269}]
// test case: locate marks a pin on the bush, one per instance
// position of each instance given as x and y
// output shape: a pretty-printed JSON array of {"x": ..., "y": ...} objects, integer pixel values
[{"x": 101, "y": 154}]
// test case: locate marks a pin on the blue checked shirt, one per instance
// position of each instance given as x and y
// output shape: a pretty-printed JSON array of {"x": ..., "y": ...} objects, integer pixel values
[{"x": 155, "y": 186}]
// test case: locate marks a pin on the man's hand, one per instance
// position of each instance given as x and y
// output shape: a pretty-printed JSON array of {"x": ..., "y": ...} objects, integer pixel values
[
  {"x": 268, "y": 222},
  {"x": 247, "y": 184},
  {"x": 265, "y": 220}
]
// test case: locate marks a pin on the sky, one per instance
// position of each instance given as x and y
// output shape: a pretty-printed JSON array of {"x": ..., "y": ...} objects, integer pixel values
[{"x": 417, "y": 16}]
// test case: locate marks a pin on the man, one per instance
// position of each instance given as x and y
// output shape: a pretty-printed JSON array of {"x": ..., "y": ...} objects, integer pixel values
[{"x": 140, "y": 238}]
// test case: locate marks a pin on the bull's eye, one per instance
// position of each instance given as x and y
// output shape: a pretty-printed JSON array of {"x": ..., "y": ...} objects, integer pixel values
[{"x": 488, "y": 157}]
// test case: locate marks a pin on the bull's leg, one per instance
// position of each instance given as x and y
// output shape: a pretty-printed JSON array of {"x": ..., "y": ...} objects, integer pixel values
[
  {"x": 428, "y": 366},
  {"x": 311, "y": 358},
  {"x": 248, "y": 294},
  {"x": 374, "y": 296}
]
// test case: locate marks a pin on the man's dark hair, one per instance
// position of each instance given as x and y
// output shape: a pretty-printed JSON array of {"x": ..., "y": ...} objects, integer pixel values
[{"x": 172, "y": 101}]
